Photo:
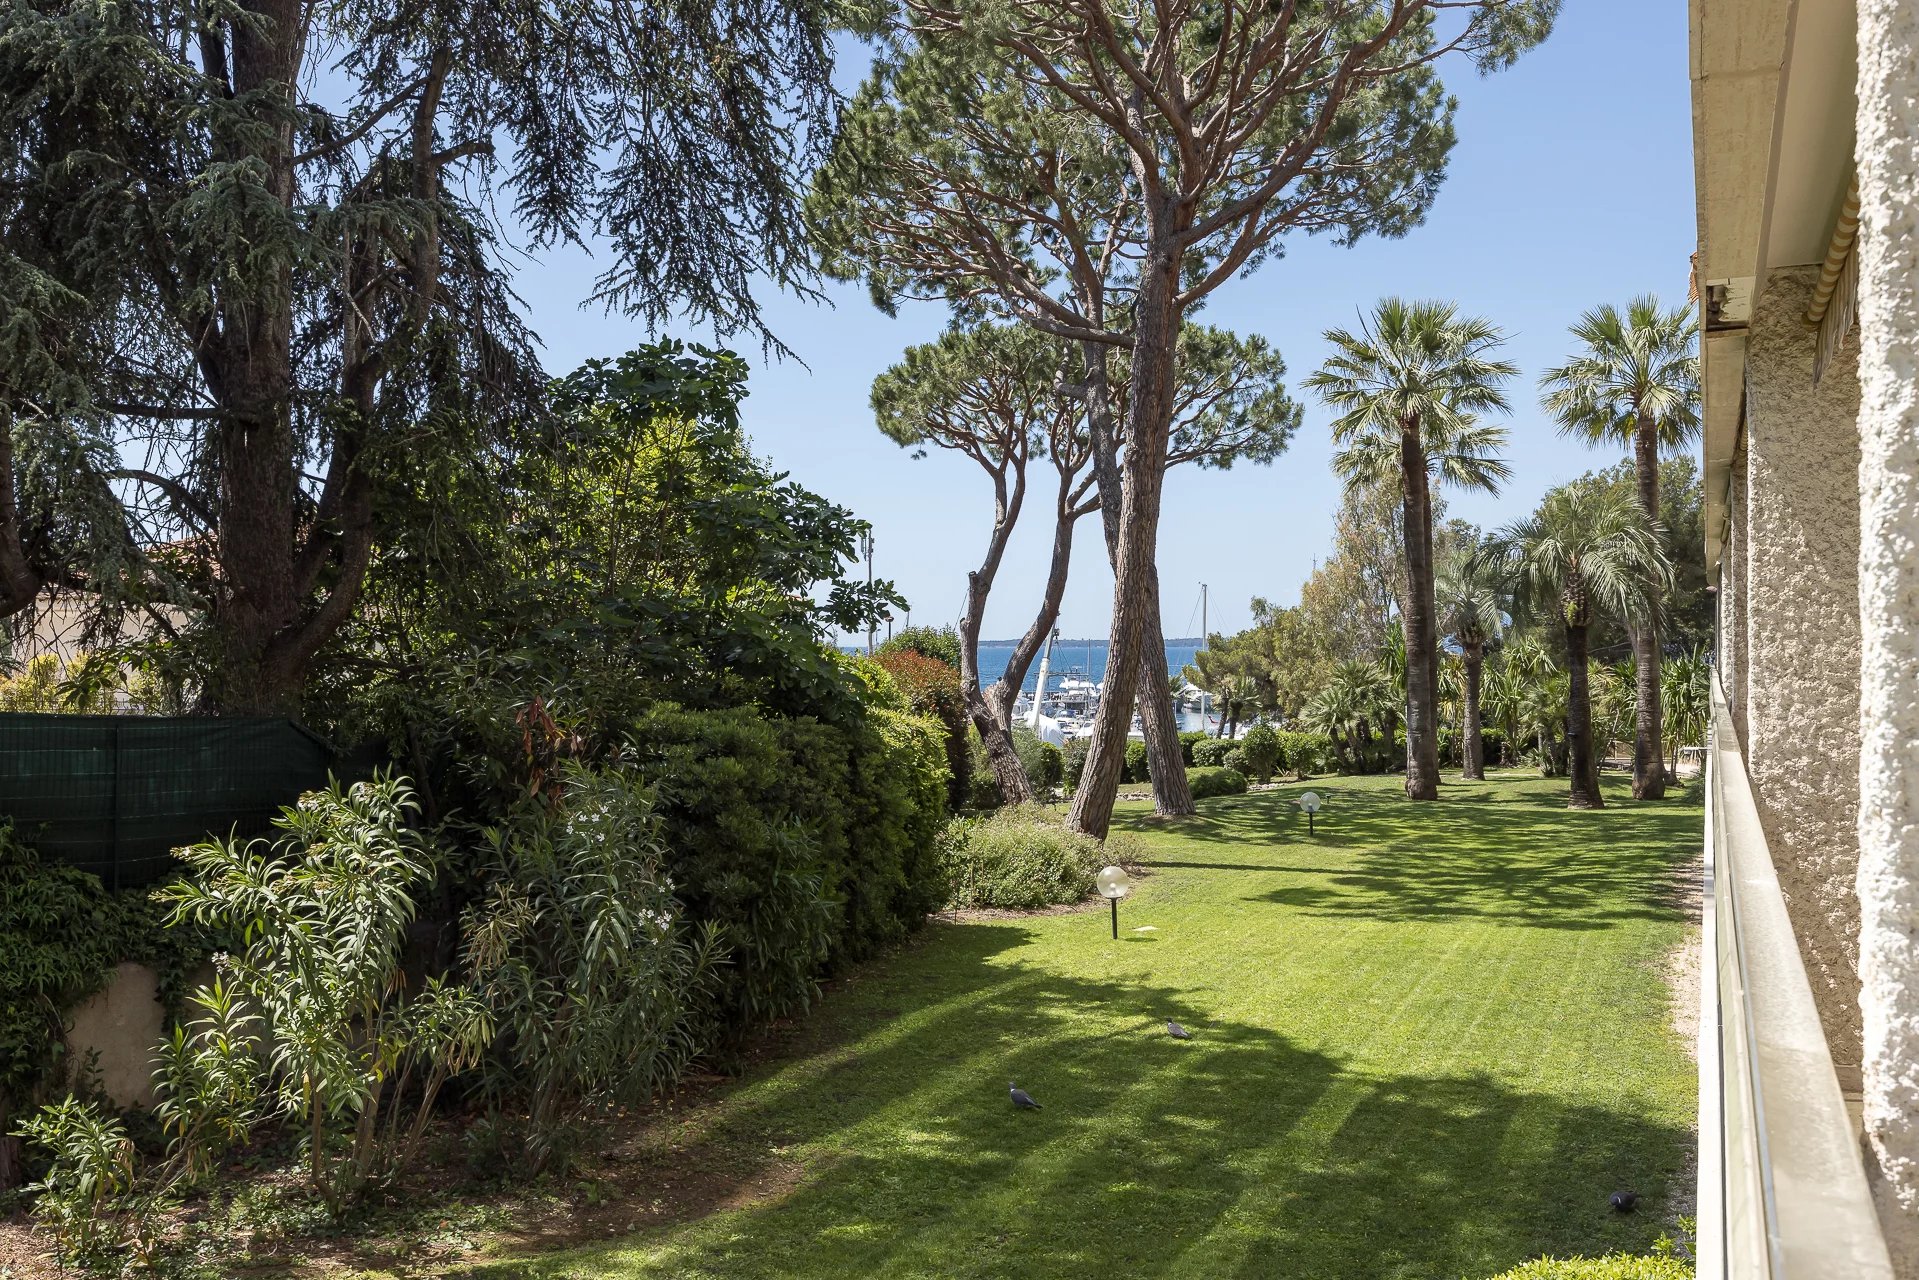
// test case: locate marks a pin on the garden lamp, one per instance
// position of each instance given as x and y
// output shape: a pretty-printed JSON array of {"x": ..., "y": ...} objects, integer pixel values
[
  {"x": 1310, "y": 803},
  {"x": 1114, "y": 884}
]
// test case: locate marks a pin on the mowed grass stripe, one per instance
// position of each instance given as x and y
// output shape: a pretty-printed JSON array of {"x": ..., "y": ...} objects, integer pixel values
[{"x": 1432, "y": 1039}]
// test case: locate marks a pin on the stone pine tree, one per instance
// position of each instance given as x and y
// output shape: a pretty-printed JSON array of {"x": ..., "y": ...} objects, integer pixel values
[
  {"x": 1410, "y": 387},
  {"x": 1001, "y": 395},
  {"x": 1635, "y": 382},
  {"x": 251, "y": 267},
  {"x": 1098, "y": 169},
  {"x": 995, "y": 394}
]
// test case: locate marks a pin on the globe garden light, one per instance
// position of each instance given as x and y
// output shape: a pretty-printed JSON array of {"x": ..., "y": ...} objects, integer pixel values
[
  {"x": 1310, "y": 803},
  {"x": 1114, "y": 884}
]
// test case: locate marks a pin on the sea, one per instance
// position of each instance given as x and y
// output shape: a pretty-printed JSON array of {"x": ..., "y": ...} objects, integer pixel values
[
  {"x": 1073, "y": 657},
  {"x": 1086, "y": 658}
]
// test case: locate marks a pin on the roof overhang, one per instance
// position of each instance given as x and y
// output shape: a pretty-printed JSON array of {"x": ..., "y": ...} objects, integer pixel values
[{"x": 1772, "y": 108}]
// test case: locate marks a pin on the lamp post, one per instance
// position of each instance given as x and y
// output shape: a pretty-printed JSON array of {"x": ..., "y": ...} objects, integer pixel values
[
  {"x": 1114, "y": 884},
  {"x": 1310, "y": 803}
]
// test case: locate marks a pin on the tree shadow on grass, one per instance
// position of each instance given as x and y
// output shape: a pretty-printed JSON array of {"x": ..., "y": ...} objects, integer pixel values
[
  {"x": 1379, "y": 857},
  {"x": 1236, "y": 1154}
]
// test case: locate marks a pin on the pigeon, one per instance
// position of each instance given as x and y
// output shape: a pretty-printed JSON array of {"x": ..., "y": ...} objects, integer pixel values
[
  {"x": 1624, "y": 1201},
  {"x": 1022, "y": 1099},
  {"x": 1176, "y": 1031}
]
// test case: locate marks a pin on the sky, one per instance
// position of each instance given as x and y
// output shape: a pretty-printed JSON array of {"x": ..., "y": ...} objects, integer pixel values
[{"x": 1571, "y": 185}]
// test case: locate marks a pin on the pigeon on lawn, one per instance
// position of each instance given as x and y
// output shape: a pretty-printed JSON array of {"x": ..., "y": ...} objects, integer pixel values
[
  {"x": 1624, "y": 1201},
  {"x": 1176, "y": 1031},
  {"x": 1022, "y": 1099}
]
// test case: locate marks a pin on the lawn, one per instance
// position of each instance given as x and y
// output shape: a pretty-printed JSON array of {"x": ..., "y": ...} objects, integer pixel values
[{"x": 1429, "y": 1042}]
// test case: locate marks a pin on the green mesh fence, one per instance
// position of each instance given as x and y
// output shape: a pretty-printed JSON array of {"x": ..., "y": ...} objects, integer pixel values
[{"x": 114, "y": 795}]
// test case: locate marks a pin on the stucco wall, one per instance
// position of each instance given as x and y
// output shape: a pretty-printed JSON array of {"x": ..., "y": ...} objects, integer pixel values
[
  {"x": 1732, "y": 597},
  {"x": 1801, "y": 690},
  {"x": 1888, "y": 156},
  {"x": 121, "y": 1025}
]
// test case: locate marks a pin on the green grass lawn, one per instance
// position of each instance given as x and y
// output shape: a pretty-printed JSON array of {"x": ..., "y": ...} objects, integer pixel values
[{"x": 1429, "y": 1042}]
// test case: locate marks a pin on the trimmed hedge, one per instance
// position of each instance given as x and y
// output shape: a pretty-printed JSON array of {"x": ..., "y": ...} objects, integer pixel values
[
  {"x": 1260, "y": 748},
  {"x": 1215, "y": 782},
  {"x": 1188, "y": 741},
  {"x": 808, "y": 844},
  {"x": 1136, "y": 763},
  {"x": 1211, "y": 754},
  {"x": 1305, "y": 753}
]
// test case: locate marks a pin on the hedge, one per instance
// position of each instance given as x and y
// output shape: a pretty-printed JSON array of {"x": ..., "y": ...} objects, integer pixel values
[
  {"x": 1215, "y": 782},
  {"x": 808, "y": 844}
]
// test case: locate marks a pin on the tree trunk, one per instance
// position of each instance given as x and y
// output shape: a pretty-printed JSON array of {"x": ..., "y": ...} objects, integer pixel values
[
  {"x": 995, "y": 736},
  {"x": 1472, "y": 746},
  {"x": 1135, "y": 575},
  {"x": 1648, "y": 751},
  {"x": 1648, "y": 748},
  {"x": 1172, "y": 795},
  {"x": 1417, "y": 613},
  {"x": 1582, "y": 763},
  {"x": 1004, "y": 692}
]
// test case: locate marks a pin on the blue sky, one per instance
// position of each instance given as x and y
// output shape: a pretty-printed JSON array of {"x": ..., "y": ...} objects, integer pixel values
[{"x": 1571, "y": 185}]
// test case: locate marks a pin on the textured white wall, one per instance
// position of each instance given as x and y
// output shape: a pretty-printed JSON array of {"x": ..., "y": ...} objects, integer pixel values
[
  {"x": 1801, "y": 680},
  {"x": 1732, "y": 604},
  {"x": 1888, "y": 157}
]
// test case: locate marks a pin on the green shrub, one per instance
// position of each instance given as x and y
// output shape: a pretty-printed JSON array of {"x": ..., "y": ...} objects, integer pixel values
[
  {"x": 599, "y": 992},
  {"x": 805, "y": 843},
  {"x": 1136, "y": 762},
  {"x": 1617, "y": 1266},
  {"x": 1021, "y": 858},
  {"x": 929, "y": 687},
  {"x": 1215, "y": 782},
  {"x": 1260, "y": 747},
  {"x": 324, "y": 910},
  {"x": 1073, "y": 757},
  {"x": 1211, "y": 754},
  {"x": 1041, "y": 760},
  {"x": 1236, "y": 760},
  {"x": 1305, "y": 753},
  {"x": 1188, "y": 741},
  {"x": 61, "y": 934}
]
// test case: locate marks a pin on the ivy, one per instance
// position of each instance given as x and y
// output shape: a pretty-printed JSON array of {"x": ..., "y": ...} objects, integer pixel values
[{"x": 61, "y": 934}]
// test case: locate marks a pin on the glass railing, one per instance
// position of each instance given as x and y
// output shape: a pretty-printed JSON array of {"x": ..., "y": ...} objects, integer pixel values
[{"x": 1782, "y": 1191}]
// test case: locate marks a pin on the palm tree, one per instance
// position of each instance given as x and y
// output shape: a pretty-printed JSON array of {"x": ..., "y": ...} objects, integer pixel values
[
  {"x": 1329, "y": 712},
  {"x": 1470, "y": 598},
  {"x": 1409, "y": 387},
  {"x": 1634, "y": 382},
  {"x": 1587, "y": 547}
]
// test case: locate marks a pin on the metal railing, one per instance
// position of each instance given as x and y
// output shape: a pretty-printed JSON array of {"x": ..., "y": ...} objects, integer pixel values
[{"x": 1782, "y": 1190}]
